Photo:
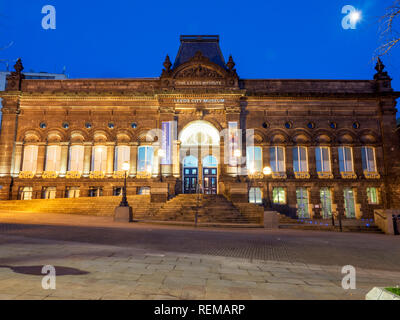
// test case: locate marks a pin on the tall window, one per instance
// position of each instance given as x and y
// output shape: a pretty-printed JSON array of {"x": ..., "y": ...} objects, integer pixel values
[
  {"x": 255, "y": 195},
  {"x": 345, "y": 159},
  {"x": 372, "y": 194},
  {"x": 368, "y": 159},
  {"x": 326, "y": 202},
  {"x": 30, "y": 158},
  {"x": 322, "y": 159},
  {"x": 76, "y": 154},
  {"x": 253, "y": 159},
  {"x": 99, "y": 158},
  {"x": 302, "y": 203},
  {"x": 72, "y": 192},
  {"x": 300, "y": 159},
  {"x": 277, "y": 159},
  {"x": 279, "y": 195},
  {"x": 122, "y": 154},
  {"x": 53, "y": 158},
  {"x": 145, "y": 159},
  {"x": 349, "y": 203}
]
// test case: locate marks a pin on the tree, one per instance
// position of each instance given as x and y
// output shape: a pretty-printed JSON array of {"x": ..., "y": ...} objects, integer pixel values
[{"x": 389, "y": 35}]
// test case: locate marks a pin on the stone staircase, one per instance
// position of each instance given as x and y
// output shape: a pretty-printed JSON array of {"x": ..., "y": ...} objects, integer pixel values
[
  {"x": 209, "y": 208},
  {"x": 348, "y": 225},
  {"x": 96, "y": 206}
]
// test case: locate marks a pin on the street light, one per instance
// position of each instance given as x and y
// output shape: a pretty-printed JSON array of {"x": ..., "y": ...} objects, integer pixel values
[
  {"x": 267, "y": 171},
  {"x": 161, "y": 154},
  {"x": 237, "y": 154},
  {"x": 124, "y": 202}
]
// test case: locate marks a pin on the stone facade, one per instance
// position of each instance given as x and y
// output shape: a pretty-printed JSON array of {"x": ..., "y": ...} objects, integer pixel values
[{"x": 201, "y": 86}]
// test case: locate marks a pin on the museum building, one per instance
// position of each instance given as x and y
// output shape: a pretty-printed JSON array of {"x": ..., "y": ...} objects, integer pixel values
[{"x": 308, "y": 148}]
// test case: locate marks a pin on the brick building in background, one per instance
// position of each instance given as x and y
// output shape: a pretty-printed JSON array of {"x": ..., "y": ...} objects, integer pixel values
[{"x": 331, "y": 145}]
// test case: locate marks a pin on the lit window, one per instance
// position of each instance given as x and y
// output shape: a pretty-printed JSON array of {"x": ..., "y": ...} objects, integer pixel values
[
  {"x": 346, "y": 159},
  {"x": 255, "y": 195},
  {"x": 30, "y": 158},
  {"x": 372, "y": 194},
  {"x": 349, "y": 203},
  {"x": 53, "y": 158},
  {"x": 368, "y": 159},
  {"x": 99, "y": 158},
  {"x": 302, "y": 203},
  {"x": 49, "y": 193},
  {"x": 144, "y": 191},
  {"x": 76, "y": 154},
  {"x": 26, "y": 193},
  {"x": 277, "y": 159},
  {"x": 145, "y": 159},
  {"x": 279, "y": 195},
  {"x": 122, "y": 154},
  {"x": 322, "y": 158},
  {"x": 117, "y": 191},
  {"x": 300, "y": 159},
  {"x": 95, "y": 191},
  {"x": 72, "y": 192},
  {"x": 326, "y": 202},
  {"x": 253, "y": 159}
]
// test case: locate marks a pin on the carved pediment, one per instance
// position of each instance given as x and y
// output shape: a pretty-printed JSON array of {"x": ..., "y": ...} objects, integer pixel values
[{"x": 198, "y": 71}]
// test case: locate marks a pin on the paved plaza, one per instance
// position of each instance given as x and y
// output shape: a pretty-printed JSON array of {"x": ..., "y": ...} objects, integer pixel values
[{"x": 96, "y": 258}]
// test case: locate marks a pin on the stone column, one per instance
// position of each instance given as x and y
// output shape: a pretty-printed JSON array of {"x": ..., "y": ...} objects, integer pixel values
[
  {"x": 41, "y": 158},
  {"x": 17, "y": 158},
  {"x": 133, "y": 159},
  {"x": 357, "y": 161},
  {"x": 338, "y": 200},
  {"x": 64, "y": 158},
  {"x": 110, "y": 158},
  {"x": 335, "y": 161},
  {"x": 289, "y": 161},
  {"x": 265, "y": 156},
  {"x": 312, "y": 166},
  {"x": 315, "y": 200},
  {"x": 87, "y": 158},
  {"x": 291, "y": 200}
]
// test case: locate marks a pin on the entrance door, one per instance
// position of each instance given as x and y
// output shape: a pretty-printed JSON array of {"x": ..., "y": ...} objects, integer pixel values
[
  {"x": 190, "y": 180},
  {"x": 210, "y": 180}
]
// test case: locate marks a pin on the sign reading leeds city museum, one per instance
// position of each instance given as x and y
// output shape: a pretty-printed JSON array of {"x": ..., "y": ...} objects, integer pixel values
[{"x": 199, "y": 100}]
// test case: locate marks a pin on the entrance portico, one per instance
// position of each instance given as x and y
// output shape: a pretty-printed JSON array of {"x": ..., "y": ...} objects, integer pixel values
[{"x": 199, "y": 156}]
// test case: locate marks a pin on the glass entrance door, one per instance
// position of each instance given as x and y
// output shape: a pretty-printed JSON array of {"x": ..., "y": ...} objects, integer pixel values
[
  {"x": 190, "y": 180},
  {"x": 210, "y": 180}
]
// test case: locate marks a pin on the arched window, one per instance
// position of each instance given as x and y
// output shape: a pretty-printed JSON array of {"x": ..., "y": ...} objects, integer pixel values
[
  {"x": 145, "y": 159},
  {"x": 30, "y": 158},
  {"x": 99, "y": 158},
  {"x": 76, "y": 154},
  {"x": 210, "y": 161},
  {"x": 122, "y": 154}
]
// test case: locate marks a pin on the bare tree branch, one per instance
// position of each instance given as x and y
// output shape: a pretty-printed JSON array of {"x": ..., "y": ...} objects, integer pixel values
[{"x": 388, "y": 33}]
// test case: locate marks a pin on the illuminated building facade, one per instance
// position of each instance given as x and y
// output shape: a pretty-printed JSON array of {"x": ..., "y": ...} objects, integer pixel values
[{"x": 330, "y": 144}]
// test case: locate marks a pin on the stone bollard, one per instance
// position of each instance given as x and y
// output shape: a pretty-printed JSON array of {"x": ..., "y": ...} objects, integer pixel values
[{"x": 271, "y": 220}]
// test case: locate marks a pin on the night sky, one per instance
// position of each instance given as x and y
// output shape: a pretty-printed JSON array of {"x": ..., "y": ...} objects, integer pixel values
[{"x": 268, "y": 39}]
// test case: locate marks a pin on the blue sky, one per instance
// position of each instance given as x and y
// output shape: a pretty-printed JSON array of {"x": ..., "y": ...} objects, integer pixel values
[{"x": 268, "y": 39}]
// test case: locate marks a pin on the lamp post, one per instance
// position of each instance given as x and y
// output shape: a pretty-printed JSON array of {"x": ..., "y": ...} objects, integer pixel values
[
  {"x": 161, "y": 154},
  {"x": 123, "y": 213},
  {"x": 267, "y": 171},
  {"x": 237, "y": 154},
  {"x": 124, "y": 201}
]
